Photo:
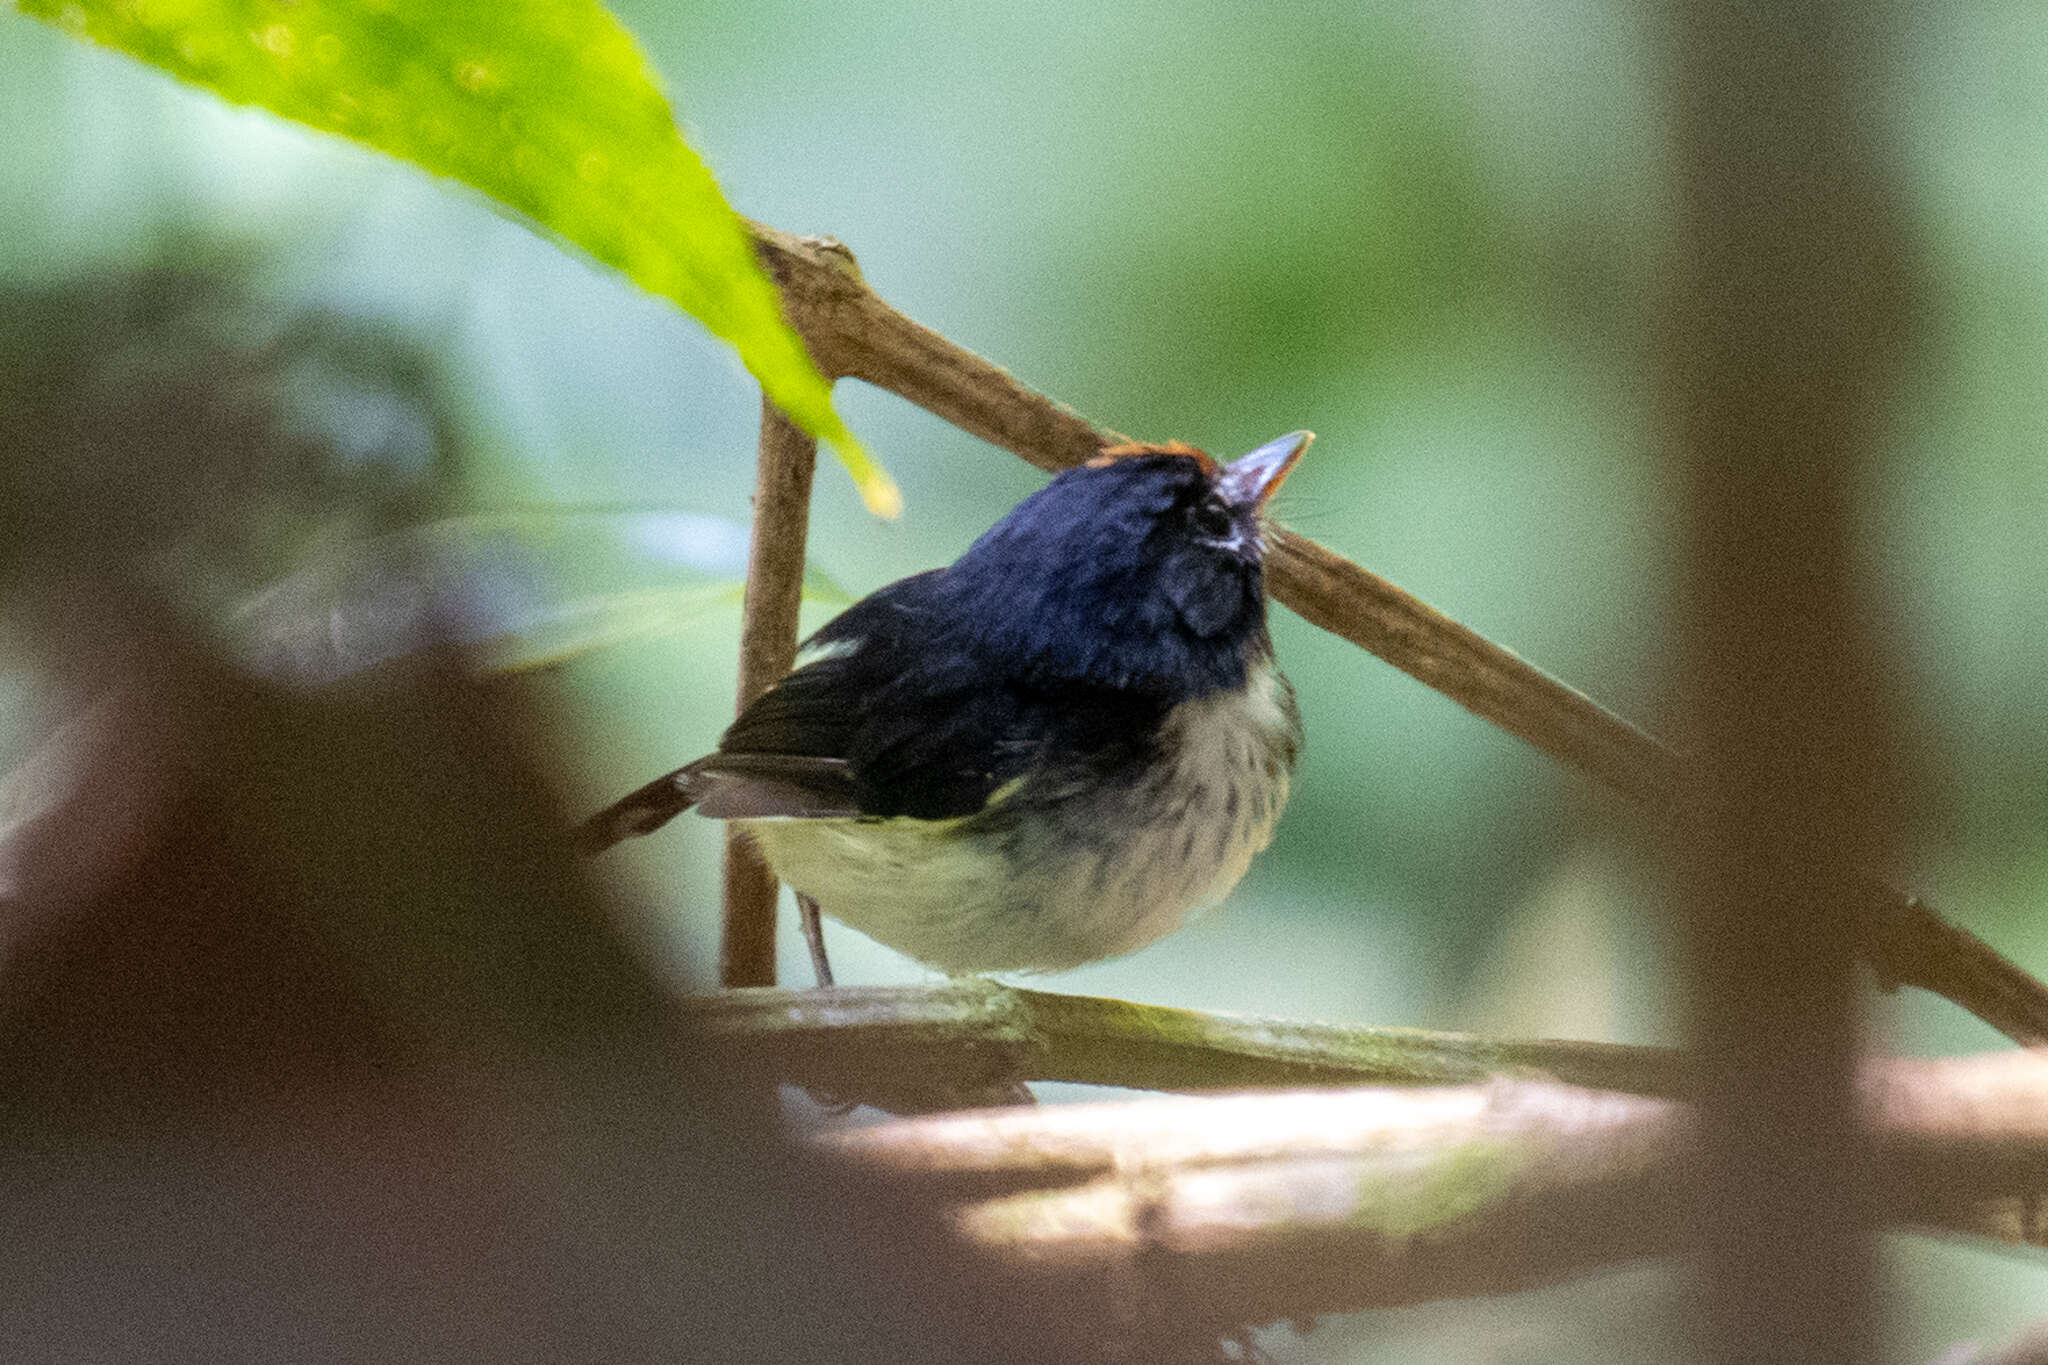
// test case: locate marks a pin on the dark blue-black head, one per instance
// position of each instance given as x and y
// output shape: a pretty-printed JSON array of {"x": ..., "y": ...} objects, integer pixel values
[{"x": 1142, "y": 568}]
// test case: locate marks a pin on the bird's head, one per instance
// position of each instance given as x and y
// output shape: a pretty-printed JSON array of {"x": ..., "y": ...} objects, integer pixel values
[{"x": 1141, "y": 568}]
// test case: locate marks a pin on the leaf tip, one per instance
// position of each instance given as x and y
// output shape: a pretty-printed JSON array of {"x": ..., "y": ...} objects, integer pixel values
[
  {"x": 877, "y": 490},
  {"x": 882, "y": 496}
]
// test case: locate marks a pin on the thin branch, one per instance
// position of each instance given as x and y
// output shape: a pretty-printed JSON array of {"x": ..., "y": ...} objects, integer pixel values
[
  {"x": 975, "y": 1034},
  {"x": 768, "y": 627},
  {"x": 1246, "y": 1208},
  {"x": 746, "y": 945},
  {"x": 1494, "y": 683},
  {"x": 853, "y": 333},
  {"x": 1910, "y": 945}
]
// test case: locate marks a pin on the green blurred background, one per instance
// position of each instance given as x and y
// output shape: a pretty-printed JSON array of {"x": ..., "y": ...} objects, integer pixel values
[{"x": 1430, "y": 232}]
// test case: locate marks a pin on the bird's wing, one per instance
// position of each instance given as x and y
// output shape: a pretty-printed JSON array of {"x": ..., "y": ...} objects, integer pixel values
[
  {"x": 889, "y": 718},
  {"x": 898, "y": 713}
]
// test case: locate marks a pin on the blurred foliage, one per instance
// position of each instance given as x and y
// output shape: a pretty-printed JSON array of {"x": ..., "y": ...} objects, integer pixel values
[
  {"x": 205, "y": 439},
  {"x": 274, "y": 477},
  {"x": 1430, "y": 232},
  {"x": 546, "y": 105},
  {"x": 523, "y": 590}
]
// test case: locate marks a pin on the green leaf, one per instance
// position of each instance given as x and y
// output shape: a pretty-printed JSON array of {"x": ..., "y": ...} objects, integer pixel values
[{"x": 547, "y": 106}]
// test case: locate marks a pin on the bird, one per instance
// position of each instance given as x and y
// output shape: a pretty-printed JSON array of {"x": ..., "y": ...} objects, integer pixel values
[{"x": 1050, "y": 752}]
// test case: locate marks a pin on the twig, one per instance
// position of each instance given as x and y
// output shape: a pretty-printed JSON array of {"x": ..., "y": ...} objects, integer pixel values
[
  {"x": 977, "y": 1034},
  {"x": 1909, "y": 945},
  {"x": 853, "y": 333},
  {"x": 1247, "y": 1208},
  {"x": 768, "y": 626}
]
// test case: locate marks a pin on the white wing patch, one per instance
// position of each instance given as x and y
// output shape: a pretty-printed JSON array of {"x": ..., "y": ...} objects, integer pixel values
[{"x": 824, "y": 651}]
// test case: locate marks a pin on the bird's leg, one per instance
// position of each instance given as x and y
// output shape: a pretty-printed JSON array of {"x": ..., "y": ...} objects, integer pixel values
[{"x": 814, "y": 938}]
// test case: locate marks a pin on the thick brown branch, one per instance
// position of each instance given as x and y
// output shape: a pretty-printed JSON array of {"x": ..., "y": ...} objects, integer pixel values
[
  {"x": 1235, "y": 1210},
  {"x": 852, "y": 332},
  {"x": 1247, "y": 1208},
  {"x": 768, "y": 626}
]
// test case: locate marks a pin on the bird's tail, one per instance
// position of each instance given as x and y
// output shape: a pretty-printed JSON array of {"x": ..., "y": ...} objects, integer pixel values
[{"x": 638, "y": 812}]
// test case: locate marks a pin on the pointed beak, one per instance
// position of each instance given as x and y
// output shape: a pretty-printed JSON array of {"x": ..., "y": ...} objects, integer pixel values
[{"x": 1251, "y": 479}]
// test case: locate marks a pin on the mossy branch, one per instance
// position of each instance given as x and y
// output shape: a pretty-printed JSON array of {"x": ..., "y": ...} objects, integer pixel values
[{"x": 912, "y": 1045}]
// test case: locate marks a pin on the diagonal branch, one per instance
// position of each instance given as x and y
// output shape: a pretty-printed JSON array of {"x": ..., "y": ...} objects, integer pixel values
[{"x": 853, "y": 333}]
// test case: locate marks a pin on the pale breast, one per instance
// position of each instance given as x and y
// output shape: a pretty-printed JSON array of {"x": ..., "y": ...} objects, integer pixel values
[
  {"x": 1205, "y": 812},
  {"x": 1062, "y": 874}
]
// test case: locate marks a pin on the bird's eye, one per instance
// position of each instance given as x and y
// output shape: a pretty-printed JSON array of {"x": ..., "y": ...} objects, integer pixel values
[{"x": 1211, "y": 520}]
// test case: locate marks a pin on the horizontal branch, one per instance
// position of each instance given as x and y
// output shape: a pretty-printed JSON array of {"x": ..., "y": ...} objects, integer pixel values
[
  {"x": 1248, "y": 1208},
  {"x": 853, "y": 333},
  {"x": 972, "y": 1034}
]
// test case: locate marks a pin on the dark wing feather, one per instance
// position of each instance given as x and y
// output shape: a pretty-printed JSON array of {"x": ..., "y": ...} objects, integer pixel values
[
  {"x": 906, "y": 717},
  {"x": 892, "y": 720},
  {"x": 728, "y": 786}
]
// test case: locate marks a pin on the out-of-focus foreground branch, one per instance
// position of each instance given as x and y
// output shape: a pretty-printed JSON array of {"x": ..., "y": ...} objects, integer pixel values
[
  {"x": 853, "y": 333},
  {"x": 1250, "y": 1208}
]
